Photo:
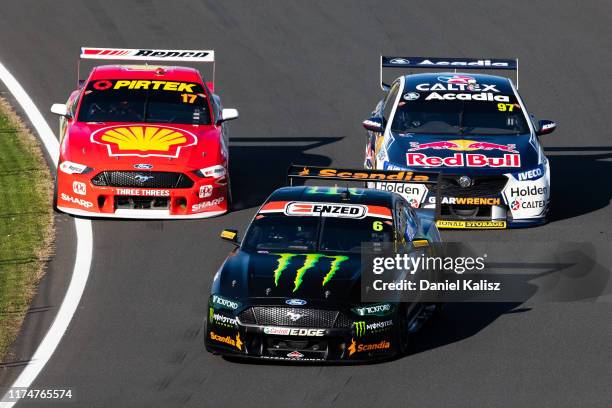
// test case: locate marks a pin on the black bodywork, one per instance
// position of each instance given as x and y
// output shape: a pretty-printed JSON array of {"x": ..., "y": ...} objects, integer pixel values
[{"x": 305, "y": 305}]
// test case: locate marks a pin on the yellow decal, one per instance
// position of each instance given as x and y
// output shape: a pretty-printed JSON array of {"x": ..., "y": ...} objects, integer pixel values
[
  {"x": 471, "y": 224},
  {"x": 228, "y": 234},
  {"x": 360, "y": 348},
  {"x": 227, "y": 340},
  {"x": 506, "y": 107},
  {"x": 154, "y": 85},
  {"x": 352, "y": 348},
  {"x": 189, "y": 98}
]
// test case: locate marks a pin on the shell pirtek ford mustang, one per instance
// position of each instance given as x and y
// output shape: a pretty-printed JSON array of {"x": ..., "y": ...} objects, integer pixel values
[
  {"x": 291, "y": 289},
  {"x": 475, "y": 131},
  {"x": 143, "y": 141}
]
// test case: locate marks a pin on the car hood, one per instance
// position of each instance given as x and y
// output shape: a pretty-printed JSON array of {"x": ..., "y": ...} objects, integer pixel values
[
  {"x": 125, "y": 145},
  {"x": 410, "y": 150},
  {"x": 313, "y": 277}
]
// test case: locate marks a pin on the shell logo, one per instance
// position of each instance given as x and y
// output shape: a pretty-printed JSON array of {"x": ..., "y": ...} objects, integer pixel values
[{"x": 143, "y": 141}]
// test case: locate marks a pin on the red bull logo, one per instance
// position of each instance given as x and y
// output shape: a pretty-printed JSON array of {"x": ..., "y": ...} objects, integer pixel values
[
  {"x": 462, "y": 145},
  {"x": 463, "y": 160},
  {"x": 493, "y": 146},
  {"x": 444, "y": 145}
]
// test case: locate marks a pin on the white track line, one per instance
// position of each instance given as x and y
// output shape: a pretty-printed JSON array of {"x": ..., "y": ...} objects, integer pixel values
[{"x": 82, "y": 262}]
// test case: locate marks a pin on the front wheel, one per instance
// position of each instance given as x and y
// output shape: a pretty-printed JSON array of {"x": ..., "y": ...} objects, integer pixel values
[
  {"x": 228, "y": 195},
  {"x": 403, "y": 334},
  {"x": 55, "y": 195}
]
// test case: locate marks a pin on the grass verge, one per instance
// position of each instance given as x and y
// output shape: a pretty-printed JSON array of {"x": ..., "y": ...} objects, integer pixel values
[{"x": 26, "y": 222}]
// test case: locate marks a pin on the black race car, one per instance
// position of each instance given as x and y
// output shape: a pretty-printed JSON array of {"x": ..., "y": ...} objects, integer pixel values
[{"x": 291, "y": 290}]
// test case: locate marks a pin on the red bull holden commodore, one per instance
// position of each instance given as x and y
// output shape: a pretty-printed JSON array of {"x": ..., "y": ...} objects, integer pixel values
[
  {"x": 474, "y": 130},
  {"x": 291, "y": 290},
  {"x": 143, "y": 141}
]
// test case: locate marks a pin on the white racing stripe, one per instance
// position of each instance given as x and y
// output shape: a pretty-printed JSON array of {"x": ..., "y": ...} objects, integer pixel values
[{"x": 82, "y": 262}]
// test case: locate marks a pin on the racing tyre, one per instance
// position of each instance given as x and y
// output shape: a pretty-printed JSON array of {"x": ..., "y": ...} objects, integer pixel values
[
  {"x": 55, "y": 195},
  {"x": 229, "y": 197},
  {"x": 403, "y": 334}
]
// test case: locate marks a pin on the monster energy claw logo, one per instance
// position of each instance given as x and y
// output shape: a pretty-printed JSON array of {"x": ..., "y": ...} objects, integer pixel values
[
  {"x": 360, "y": 328},
  {"x": 310, "y": 260}
]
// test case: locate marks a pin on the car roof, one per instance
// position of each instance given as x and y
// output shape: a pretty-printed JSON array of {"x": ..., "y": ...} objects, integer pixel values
[
  {"x": 503, "y": 84},
  {"x": 367, "y": 196},
  {"x": 151, "y": 72}
]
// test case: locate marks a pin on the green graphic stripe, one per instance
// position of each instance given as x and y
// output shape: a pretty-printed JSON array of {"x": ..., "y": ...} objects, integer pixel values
[
  {"x": 311, "y": 260},
  {"x": 335, "y": 264},
  {"x": 283, "y": 262}
]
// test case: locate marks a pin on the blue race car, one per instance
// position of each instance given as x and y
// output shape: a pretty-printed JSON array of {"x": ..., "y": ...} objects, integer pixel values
[{"x": 474, "y": 130}]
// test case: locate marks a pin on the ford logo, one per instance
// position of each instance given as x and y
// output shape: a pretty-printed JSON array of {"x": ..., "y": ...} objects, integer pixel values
[
  {"x": 295, "y": 302},
  {"x": 143, "y": 166}
]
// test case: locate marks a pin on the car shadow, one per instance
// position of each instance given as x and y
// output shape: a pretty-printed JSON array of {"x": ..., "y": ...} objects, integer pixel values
[
  {"x": 258, "y": 165},
  {"x": 459, "y": 321},
  {"x": 578, "y": 180}
]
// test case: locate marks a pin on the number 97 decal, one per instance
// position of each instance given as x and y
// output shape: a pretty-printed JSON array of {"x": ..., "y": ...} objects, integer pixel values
[{"x": 507, "y": 107}]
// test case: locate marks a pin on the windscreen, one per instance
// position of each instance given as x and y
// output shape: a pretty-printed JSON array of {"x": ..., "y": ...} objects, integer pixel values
[
  {"x": 458, "y": 105},
  {"x": 276, "y": 232},
  {"x": 144, "y": 101}
]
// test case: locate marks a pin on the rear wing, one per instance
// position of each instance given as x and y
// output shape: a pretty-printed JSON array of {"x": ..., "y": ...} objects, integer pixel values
[
  {"x": 446, "y": 63},
  {"x": 305, "y": 172},
  {"x": 131, "y": 54}
]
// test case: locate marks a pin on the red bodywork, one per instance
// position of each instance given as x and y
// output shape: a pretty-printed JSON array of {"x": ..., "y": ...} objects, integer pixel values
[{"x": 114, "y": 146}]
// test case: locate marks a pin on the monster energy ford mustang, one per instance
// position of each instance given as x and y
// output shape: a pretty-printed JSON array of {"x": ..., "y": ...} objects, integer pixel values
[
  {"x": 474, "y": 130},
  {"x": 291, "y": 289}
]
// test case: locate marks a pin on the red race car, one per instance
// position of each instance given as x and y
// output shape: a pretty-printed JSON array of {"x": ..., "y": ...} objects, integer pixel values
[{"x": 144, "y": 141}]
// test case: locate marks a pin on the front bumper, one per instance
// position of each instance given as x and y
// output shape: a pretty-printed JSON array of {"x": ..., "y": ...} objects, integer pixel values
[
  {"x": 491, "y": 202},
  {"x": 81, "y": 195},
  {"x": 298, "y": 344}
]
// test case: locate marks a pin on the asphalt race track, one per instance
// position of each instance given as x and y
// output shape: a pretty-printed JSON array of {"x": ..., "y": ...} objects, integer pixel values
[{"x": 304, "y": 75}]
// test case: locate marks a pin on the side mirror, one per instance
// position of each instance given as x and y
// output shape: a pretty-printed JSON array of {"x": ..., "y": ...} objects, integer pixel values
[
  {"x": 420, "y": 243},
  {"x": 374, "y": 124},
  {"x": 545, "y": 127},
  {"x": 228, "y": 114},
  {"x": 231, "y": 236},
  {"x": 60, "y": 109}
]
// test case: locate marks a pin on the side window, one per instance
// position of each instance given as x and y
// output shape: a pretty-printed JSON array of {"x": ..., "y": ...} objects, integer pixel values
[
  {"x": 400, "y": 220},
  {"x": 73, "y": 103},
  {"x": 406, "y": 223},
  {"x": 216, "y": 106},
  {"x": 390, "y": 101},
  {"x": 411, "y": 226}
]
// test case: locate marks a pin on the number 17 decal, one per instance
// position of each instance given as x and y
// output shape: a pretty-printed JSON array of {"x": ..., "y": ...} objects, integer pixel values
[{"x": 189, "y": 98}]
